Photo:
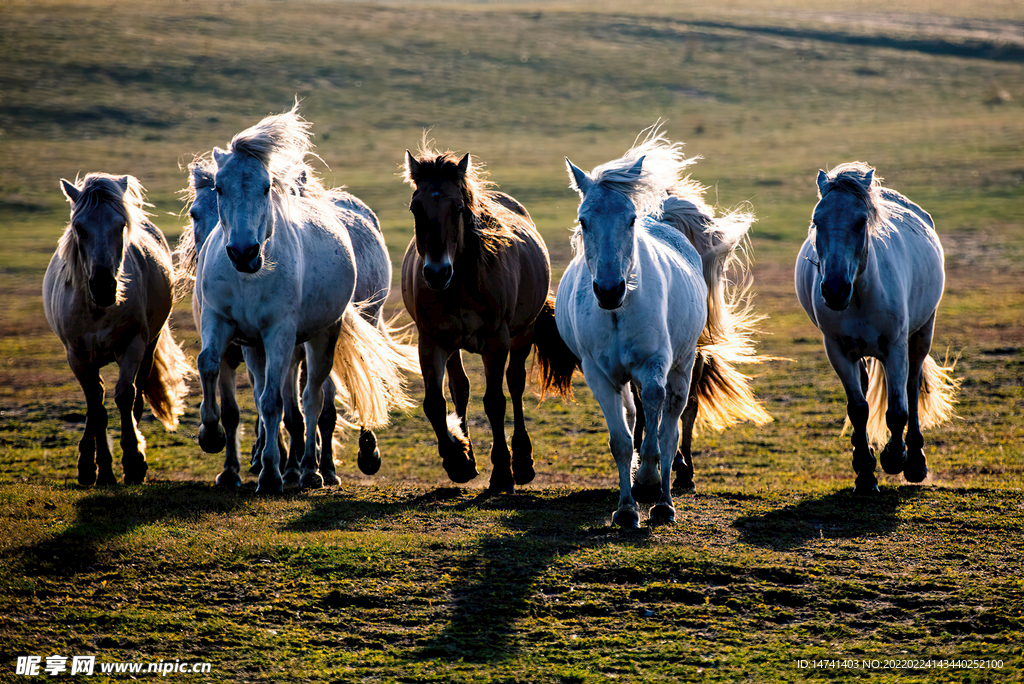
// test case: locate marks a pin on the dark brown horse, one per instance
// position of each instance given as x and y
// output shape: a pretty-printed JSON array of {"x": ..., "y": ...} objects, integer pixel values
[{"x": 476, "y": 277}]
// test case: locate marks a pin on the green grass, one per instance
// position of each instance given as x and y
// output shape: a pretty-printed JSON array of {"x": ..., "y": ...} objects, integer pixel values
[{"x": 402, "y": 577}]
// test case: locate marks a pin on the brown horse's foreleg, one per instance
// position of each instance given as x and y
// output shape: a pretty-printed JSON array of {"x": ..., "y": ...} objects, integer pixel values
[
  {"x": 494, "y": 407},
  {"x": 522, "y": 448},
  {"x": 93, "y": 447},
  {"x": 683, "y": 464},
  {"x": 133, "y": 444},
  {"x": 452, "y": 445},
  {"x": 458, "y": 387}
]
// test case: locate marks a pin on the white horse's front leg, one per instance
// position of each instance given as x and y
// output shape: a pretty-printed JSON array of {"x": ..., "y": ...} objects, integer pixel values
[
  {"x": 216, "y": 334},
  {"x": 894, "y": 455},
  {"x": 677, "y": 393},
  {"x": 648, "y": 485},
  {"x": 278, "y": 346},
  {"x": 619, "y": 440},
  {"x": 857, "y": 408}
]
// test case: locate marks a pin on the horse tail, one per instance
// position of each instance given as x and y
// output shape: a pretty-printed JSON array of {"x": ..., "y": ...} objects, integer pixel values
[
  {"x": 724, "y": 394},
  {"x": 935, "y": 400},
  {"x": 552, "y": 357},
  {"x": 166, "y": 386},
  {"x": 367, "y": 371}
]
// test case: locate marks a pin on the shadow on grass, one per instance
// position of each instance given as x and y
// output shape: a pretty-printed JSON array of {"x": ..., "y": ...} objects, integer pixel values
[
  {"x": 837, "y": 515},
  {"x": 499, "y": 577},
  {"x": 108, "y": 513}
]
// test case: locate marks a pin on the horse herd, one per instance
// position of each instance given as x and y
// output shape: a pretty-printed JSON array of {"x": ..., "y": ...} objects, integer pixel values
[{"x": 653, "y": 309}]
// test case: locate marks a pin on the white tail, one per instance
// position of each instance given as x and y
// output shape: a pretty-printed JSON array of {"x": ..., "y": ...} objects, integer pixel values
[
  {"x": 367, "y": 371},
  {"x": 935, "y": 401}
]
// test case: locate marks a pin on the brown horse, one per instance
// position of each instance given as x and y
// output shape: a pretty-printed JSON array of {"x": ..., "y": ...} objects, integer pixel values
[
  {"x": 107, "y": 294},
  {"x": 476, "y": 278}
]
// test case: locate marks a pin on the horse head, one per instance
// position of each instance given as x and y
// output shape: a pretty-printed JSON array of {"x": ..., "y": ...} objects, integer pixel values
[
  {"x": 203, "y": 213},
  {"x": 607, "y": 228},
  {"x": 442, "y": 214},
  {"x": 245, "y": 207},
  {"x": 841, "y": 235},
  {"x": 100, "y": 221}
]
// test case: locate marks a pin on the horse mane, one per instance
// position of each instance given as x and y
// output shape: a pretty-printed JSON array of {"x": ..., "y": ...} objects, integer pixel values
[
  {"x": 201, "y": 175},
  {"x": 663, "y": 193},
  {"x": 280, "y": 142},
  {"x": 851, "y": 178},
  {"x": 101, "y": 189},
  {"x": 493, "y": 224}
]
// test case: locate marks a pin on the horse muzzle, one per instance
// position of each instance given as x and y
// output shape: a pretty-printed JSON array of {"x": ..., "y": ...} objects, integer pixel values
[
  {"x": 837, "y": 295},
  {"x": 103, "y": 288},
  {"x": 437, "y": 276},
  {"x": 249, "y": 260},
  {"x": 610, "y": 296}
]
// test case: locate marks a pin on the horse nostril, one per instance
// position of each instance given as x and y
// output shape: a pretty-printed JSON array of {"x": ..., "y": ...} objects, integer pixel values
[
  {"x": 251, "y": 253},
  {"x": 620, "y": 289},
  {"x": 232, "y": 253}
]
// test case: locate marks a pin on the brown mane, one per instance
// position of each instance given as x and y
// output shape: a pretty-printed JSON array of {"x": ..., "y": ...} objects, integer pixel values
[{"x": 495, "y": 225}]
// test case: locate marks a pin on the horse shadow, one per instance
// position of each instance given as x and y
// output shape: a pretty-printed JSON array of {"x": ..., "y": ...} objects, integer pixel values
[
  {"x": 106, "y": 514},
  {"x": 496, "y": 581},
  {"x": 837, "y": 515}
]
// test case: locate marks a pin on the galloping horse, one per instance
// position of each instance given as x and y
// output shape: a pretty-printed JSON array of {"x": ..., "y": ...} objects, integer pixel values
[
  {"x": 645, "y": 302},
  {"x": 373, "y": 284},
  {"x": 280, "y": 272},
  {"x": 476, "y": 277},
  {"x": 870, "y": 276},
  {"x": 107, "y": 294}
]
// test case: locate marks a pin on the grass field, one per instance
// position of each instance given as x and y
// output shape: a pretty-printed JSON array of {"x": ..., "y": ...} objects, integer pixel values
[{"x": 403, "y": 577}]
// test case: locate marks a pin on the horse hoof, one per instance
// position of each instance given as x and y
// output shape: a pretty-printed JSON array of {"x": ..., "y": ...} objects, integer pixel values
[
  {"x": 369, "y": 461},
  {"x": 292, "y": 475},
  {"x": 229, "y": 479},
  {"x": 106, "y": 479},
  {"x": 627, "y": 519},
  {"x": 213, "y": 440},
  {"x": 893, "y": 463},
  {"x": 683, "y": 485},
  {"x": 663, "y": 514},
  {"x": 646, "y": 493},
  {"x": 501, "y": 485},
  {"x": 865, "y": 488},
  {"x": 523, "y": 474},
  {"x": 460, "y": 471},
  {"x": 330, "y": 478},
  {"x": 915, "y": 472},
  {"x": 311, "y": 479},
  {"x": 270, "y": 487},
  {"x": 87, "y": 478}
]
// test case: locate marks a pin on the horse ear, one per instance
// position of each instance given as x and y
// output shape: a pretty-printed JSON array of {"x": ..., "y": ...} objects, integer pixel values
[
  {"x": 464, "y": 164},
  {"x": 70, "y": 191},
  {"x": 122, "y": 183},
  {"x": 638, "y": 168},
  {"x": 868, "y": 178},
  {"x": 822, "y": 181},
  {"x": 412, "y": 167},
  {"x": 578, "y": 180},
  {"x": 219, "y": 155}
]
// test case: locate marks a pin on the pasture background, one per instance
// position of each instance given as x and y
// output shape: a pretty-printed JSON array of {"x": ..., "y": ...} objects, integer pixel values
[{"x": 402, "y": 577}]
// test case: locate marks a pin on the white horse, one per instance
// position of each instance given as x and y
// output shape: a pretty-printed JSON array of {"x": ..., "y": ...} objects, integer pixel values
[
  {"x": 645, "y": 298},
  {"x": 870, "y": 276},
  {"x": 373, "y": 283},
  {"x": 279, "y": 272},
  {"x": 107, "y": 294}
]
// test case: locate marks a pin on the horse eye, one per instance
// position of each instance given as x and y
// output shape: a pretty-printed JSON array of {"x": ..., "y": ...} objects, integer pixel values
[
  {"x": 632, "y": 222},
  {"x": 266, "y": 190},
  {"x": 583, "y": 224},
  {"x": 193, "y": 215},
  {"x": 218, "y": 190}
]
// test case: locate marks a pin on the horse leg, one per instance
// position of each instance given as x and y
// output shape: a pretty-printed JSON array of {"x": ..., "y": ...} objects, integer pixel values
[
  {"x": 458, "y": 387},
  {"x": 294, "y": 422},
  {"x": 133, "y": 445},
  {"x": 452, "y": 445},
  {"x": 319, "y": 360},
  {"x": 683, "y": 463},
  {"x": 522, "y": 448},
  {"x": 494, "y": 406},
  {"x": 609, "y": 397},
  {"x": 638, "y": 413},
  {"x": 229, "y": 417},
  {"x": 648, "y": 485},
  {"x": 852, "y": 374},
  {"x": 677, "y": 388},
  {"x": 918, "y": 346},
  {"x": 94, "y": 440},
  {"x": 278, "y": 348},
  {"x": 894, "y": 455},
  {"x": 325, "y": 423},
  {"x": 216, "y": 334}
]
